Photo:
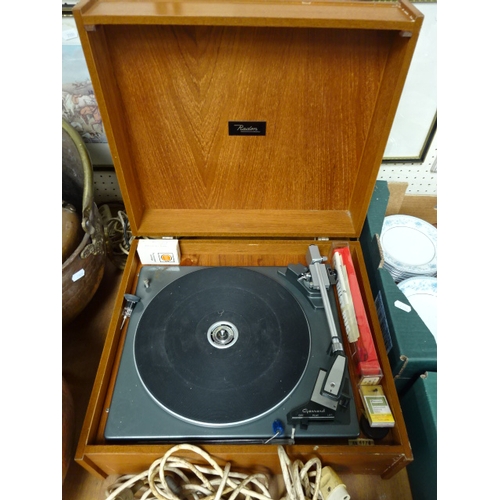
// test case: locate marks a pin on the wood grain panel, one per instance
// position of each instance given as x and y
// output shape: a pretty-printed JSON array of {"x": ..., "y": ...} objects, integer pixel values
[
  {"x": 180, "y": 86},
  {"x": 270, "y": 223},
  {"x": 347, "y": 459},
  {"x": 388, "y": 15},
  {"x": 326, "y": 83}
]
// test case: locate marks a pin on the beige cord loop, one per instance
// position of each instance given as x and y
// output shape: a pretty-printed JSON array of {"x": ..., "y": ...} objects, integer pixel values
[
  {"x": 176, "y": 478},
  {"x": 296, "y": 477},
  {"x": 189, "y": 481}
]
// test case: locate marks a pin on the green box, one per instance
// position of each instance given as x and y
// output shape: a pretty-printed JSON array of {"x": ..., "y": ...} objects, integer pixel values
[
  {"x": 411, "y": 347},
  {"x": 419, "y": 406}
]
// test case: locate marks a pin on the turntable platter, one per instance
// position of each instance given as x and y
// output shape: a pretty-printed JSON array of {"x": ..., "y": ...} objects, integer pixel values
[{"x": 221, "y": 346}]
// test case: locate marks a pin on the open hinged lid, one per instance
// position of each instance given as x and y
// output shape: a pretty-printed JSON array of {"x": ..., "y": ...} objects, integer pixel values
[{"x": 247, "y": 118}]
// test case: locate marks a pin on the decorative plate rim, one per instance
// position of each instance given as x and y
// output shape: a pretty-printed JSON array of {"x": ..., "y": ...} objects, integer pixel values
[{"x": 392, "y": 221}]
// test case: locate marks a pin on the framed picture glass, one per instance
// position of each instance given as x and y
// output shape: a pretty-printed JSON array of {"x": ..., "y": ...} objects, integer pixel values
[{"x": 416, "y": 118}]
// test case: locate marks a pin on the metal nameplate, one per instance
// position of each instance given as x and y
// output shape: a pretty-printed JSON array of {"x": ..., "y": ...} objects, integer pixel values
[{"x": 247, "y": 128}]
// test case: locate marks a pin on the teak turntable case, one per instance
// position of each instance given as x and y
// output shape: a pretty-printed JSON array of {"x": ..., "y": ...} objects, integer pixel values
[{"x": 248, "y": 130}]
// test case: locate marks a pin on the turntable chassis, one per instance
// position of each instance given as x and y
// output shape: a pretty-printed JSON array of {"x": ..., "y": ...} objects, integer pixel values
[{"x": 385, "y": 458}]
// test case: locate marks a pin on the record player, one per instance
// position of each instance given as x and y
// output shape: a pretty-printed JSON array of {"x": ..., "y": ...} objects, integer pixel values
[
  {"x": 234, "y": 355},
  {"x": 252, "y": 133}
]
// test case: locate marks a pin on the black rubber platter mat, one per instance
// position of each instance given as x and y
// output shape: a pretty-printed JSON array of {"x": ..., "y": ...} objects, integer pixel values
[{"x": 221, "y": 346}]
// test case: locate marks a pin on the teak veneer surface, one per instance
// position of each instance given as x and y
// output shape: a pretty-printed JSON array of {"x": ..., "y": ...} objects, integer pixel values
[
  {"x": 168, "y": 76},
  {"x": 169, "y": 82},
  {"x": 391, "y": 15}
]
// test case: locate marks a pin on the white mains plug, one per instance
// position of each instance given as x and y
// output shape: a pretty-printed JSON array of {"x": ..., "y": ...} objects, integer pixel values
[{"x": 331, "y": 486}]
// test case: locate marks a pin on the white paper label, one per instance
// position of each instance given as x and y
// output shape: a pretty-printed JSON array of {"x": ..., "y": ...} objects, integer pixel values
[
  {"x": 69, "y": 34},
  {"x": 401, "y": 305},
  {"x": 79, "y": 274}
]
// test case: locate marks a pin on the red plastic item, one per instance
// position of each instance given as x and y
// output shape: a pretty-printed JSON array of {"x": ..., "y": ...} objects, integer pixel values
[{"x": 364, "y": 353}]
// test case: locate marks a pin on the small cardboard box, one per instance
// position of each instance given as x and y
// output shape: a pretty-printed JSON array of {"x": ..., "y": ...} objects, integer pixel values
[
  {"x": 377, "y": 409},
  {"x": 247, "y": 131}
]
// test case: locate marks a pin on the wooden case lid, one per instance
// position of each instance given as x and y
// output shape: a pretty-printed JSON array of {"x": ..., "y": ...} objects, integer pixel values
[{"x": 171, "y": 76}]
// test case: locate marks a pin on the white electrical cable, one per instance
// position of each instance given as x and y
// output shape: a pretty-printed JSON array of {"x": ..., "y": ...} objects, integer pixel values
[
  {"x": 296, "y": 477},
  {"x": 198, "y": 482},
  {"x": 176, "y": 478}
]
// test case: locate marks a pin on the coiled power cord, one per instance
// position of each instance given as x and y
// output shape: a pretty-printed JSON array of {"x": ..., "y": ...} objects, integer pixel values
[{"x": 176, "y": 478}]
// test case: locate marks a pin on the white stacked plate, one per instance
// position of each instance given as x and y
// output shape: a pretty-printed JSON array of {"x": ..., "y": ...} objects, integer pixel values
[
  {"x": 421, "y": 292},
  {"x": 410, "y": 247}
]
